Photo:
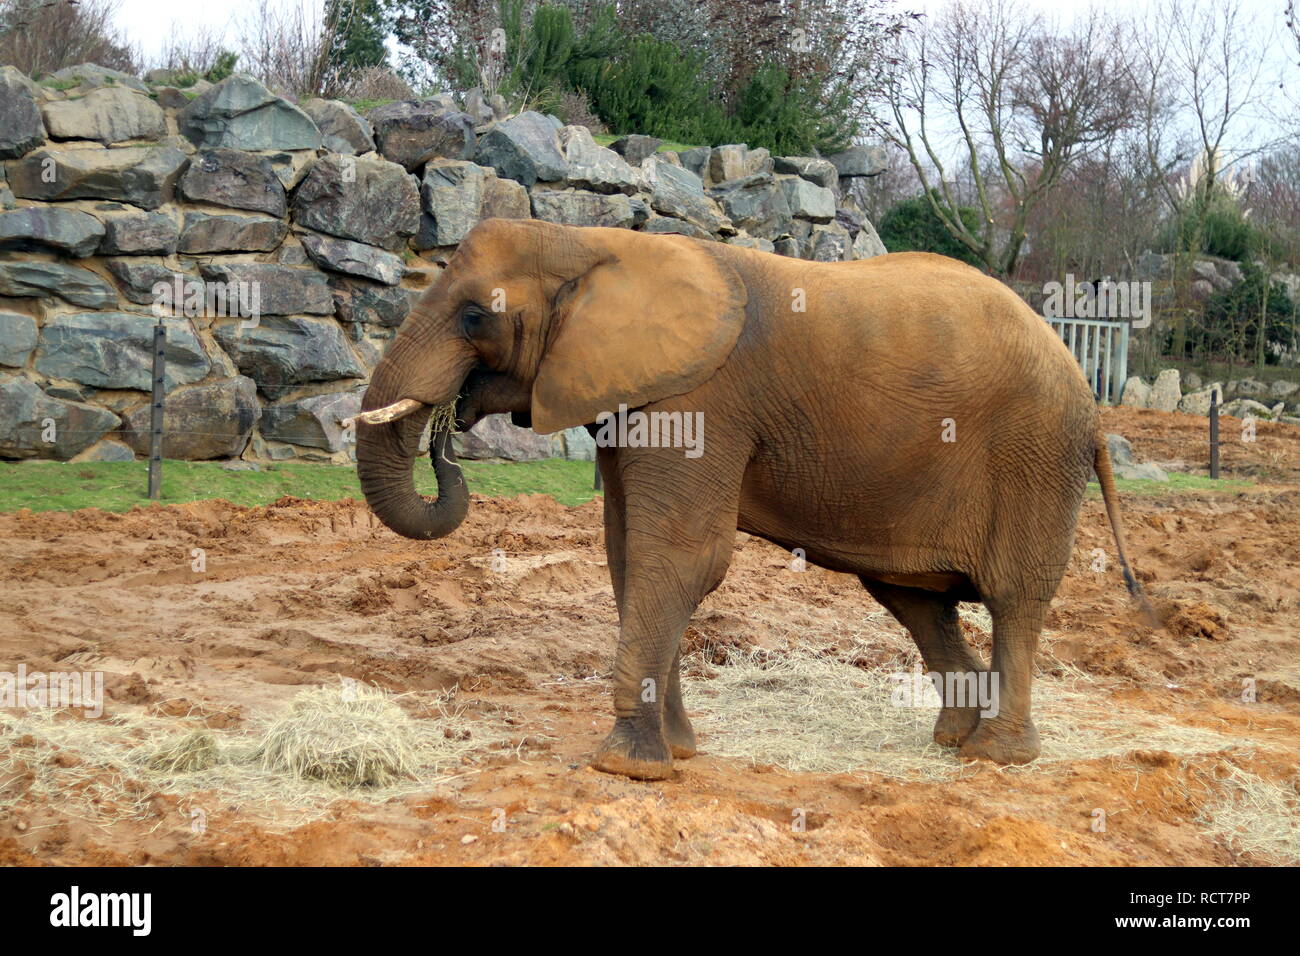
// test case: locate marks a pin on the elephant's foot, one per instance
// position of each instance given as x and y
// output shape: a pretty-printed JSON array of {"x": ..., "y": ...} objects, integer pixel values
[
  {"x": 633, "y": 753},
  {"x": 955, "y": 724},
  {"x": 679, "y": 733},
  {"x": 1003, "y": 740}
]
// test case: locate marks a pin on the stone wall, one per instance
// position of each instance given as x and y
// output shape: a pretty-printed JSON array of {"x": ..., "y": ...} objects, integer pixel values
[{"x": 326, "y": 225}]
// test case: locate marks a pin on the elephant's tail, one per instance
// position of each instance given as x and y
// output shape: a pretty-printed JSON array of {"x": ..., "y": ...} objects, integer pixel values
[{"x": 1110, "y": 495}]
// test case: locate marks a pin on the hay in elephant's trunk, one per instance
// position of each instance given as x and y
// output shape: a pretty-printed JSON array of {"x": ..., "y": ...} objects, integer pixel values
[{"x": 810, "y": 709}]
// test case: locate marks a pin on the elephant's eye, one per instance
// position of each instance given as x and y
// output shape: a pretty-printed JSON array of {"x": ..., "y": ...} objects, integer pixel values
[{"x": 474, "y": 320}]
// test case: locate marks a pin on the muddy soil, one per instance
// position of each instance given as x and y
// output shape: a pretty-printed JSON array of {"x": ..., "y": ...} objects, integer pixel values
[{"x": 302, "y": 593}]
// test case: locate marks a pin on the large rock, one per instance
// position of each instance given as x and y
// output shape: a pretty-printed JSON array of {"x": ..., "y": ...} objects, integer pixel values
[
  {"x": 369, "y": 200},
  {"x": 205, "y": 233},
  {"x": 830, "y": 243},
  {"x": 281, "y": 290},
  {"x": 91, "y": 76},
  {"x": 143, "y": 176},
  {"x": 241, "y": 113},
  {"x": 44, "y": 279},
  {"x": 525, "y": 148},
  {"x": 411, "y": 133},
  {"x": 1283, "y": 389},
  {"x": 505, "y": 199},
  {"x": 860, "y": 161},
  {"x": 494, "y": 437},
  {"x": 1198, "y": 402},
  {"x": 21, "y": 127},
  {"x": 756, "y": 204},
  {"x": 1137, "y": 393},
  {"x": 200, "y": 422},
  {"x": 353, "y": 258},
  {"x": 28, "y": 417},
  {"x": 1166, "y": 393},
  {"x": 115, "y": 350},
  {"x": 679, "y": 193},
  {"x": 68, "y": 231},
  {"x": 668, "y": 226},
  {"x": 695, "y": 159},
  {"x": 737, "y": 161},
  {"x": 235, "y": 179},
  {"x": 17, "y": 338},
  {"x": 1146, "y": 471},
  {"x": 819, "y": 172},
  {"x": 359, "y": 302},
  {"x": 593, "y": 167},
  {"x": 139, "y": 234},
  {"x": 109, "y": 115},
  {"x": 867, "y": 243},
  {"x": 343, "y": 129},
  {"x": 314, "y": 421},
  {"x": 281, "y": 352},
  {"x": 635, "y": 148},
  {"x": 452, "y": 194},
  {"x": 1241, "y": 407},
  {"x": 137, "y": 278},
  {"x": 577, "y": 207},
  {"x": 806, "y": 201}
]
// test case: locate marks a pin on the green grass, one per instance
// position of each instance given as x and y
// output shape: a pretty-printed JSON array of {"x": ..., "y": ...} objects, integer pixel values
[
  {"x": 118, "y": 486},
  {"x": 1176, "y": 482},
  {"x": 604, "y": 139}
]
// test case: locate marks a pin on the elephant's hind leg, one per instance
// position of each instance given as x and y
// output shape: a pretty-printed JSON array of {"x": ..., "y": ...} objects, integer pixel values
[
  {"x": 931, "y": 619},
  {"x": 1009, "y": 736}
]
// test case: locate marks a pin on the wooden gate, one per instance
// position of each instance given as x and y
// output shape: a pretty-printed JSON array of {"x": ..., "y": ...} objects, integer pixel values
[{"x": 1101, "y": 349}]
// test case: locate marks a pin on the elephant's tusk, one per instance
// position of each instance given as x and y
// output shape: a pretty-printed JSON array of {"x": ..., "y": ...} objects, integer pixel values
[{"x": 389, "y": 413}]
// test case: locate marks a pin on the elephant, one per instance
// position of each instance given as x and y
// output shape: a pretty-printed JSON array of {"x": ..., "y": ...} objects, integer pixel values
[{"x": 905, "y": 419}]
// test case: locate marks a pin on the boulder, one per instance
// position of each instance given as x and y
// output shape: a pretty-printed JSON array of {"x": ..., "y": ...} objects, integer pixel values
[
  {"x": 17, "y": 338},
  {"x": 313, "y": 421},
  {"x": 343, "y": 129},
  {"x": 1136, "y": 394},
  {"x": 1120, "y": 450},
  {"x": 73, "y": 233},
  {"x": 752, "y": 242},
  {"x": 756, "y": 204},
  {"x": 281, "y": 352},
  {"x": 108, "y": 115},
  {"x": 1147, "y": 471},
  {"x": 139, "y": 234},
  {"x": 1198, "y": 402},
  {"x": 577, "y": 207},
  {"x": 452, "y": 195},
  {"x": 575, "y": 444},
  {"x": 359, "y": 302},
  {"x": 234, "y": 179},
  {"x": 635, "y": 148},
  {"x": 806, "y": 201},
  {"x": 137, "y": 279},
  {"x": 494, "y": 437},
  {"x": 830, "y": 243},
  {"x": 21, "y": 126},
  {"x": 107, "y": 450},
  {"x": 677, "y": 192},
  {"x": 1166, "y": 393},
  {"x": 867, "y": 243},
  {"x": 115, "y": 350},
  {"x": 412, "y": 133},
  {"x": 504, "y": 199},
  {"x": 696, "y": 160},
  {"x": 143, "y": 176},
  {"x": 353, "y": 258},
  {"x": 593, "y": 167},
  {"x": 525, "y": 148},
  {"x": 369, "y": 200},
  {"x": 819, "y": 172},
  {"x": 200, "y": 422},
  {"x": 282, "y": 290},
  {"x": 241, "y": 113},
  {"x": 92, "y": 76},
  {"x": 478, "y": 108},
  {"x": 1241, "y": 407},
  {"x": 1249, "y": 388},
  {"x": 28, "y": 417},
  {"x": 860, "y": 161},
  {"x": 668, "y": 226},
  {"x": 204, "y": 232},
  {"x": 1283, "y": 389},
  {"x": 41, "y": 280}
]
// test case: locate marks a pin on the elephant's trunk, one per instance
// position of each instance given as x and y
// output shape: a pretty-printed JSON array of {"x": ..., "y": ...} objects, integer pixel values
[{"x": 385, "y": 456}]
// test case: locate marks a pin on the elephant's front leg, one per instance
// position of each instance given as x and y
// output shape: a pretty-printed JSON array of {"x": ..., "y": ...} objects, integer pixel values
[{"x": 671, "y": 561}]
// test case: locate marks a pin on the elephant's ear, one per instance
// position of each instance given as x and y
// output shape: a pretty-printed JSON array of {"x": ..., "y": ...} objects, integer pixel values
[{"x": 654, "y": 317}]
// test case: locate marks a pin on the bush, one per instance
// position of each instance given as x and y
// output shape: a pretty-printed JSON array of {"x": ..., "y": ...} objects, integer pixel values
[
  {"x": 1224, "y": 231},
  {"x": 913, "y": 226},
  {"x": 1232, "y": 317}
]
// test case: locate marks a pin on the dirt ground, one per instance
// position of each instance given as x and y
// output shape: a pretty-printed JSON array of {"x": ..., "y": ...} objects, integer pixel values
[{"x": 302, "y": 593}]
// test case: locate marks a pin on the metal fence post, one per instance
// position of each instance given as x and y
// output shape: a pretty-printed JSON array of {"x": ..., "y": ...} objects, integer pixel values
[
  {"x": 1214, "y": 433},
  {"x": 156, "y": 410}
]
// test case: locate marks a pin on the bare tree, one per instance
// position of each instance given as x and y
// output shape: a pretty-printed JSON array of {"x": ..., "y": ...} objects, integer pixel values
[
  {"x": 41, "y": 36},
  {"x": 1021, "y": 101}
]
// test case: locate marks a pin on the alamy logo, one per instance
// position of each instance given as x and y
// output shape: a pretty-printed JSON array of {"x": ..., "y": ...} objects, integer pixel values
[
  {"x": 103, "y": 909},
  {"x": 192, "y": 298},
  {"x": 1098, "y": 300},
  {"x": 638, "y": 429},
  {"x": 56, "y": 689},
  {"x": 919, "y": 688}
]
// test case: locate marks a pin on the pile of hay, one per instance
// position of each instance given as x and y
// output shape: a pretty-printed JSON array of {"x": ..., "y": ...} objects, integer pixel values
[
  {"x": 1256, "y": 816},
  {"x": 810, "y": 709},
  {"x": 347, "y": 741}
]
